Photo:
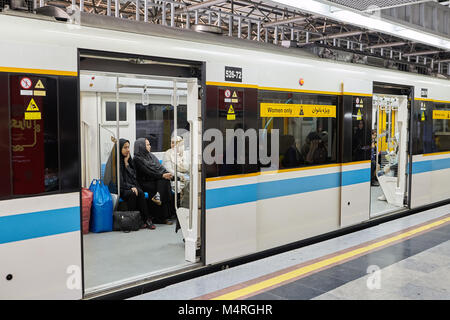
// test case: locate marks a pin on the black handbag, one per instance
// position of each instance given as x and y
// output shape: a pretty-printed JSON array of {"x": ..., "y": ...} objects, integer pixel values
[{"x": 126, "y": 221}]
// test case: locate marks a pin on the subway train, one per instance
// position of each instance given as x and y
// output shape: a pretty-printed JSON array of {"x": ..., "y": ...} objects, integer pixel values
[{"x": 348, "y": 144}]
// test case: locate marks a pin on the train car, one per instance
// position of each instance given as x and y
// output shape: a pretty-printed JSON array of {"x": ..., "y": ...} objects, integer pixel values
[{"x": 355, "y": 144}]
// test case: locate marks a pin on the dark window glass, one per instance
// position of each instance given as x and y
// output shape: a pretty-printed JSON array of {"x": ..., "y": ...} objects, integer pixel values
[
  {"x": 34, "y": 134},
  {"x": 362, "y": 128},
  {"x": 5, "y": 147},
  {"x": 441, "y": 128},
  {"x": 303, "y": 140},
  {"x": 111, "y": 111},
  {"x": 155, "y": 122}
]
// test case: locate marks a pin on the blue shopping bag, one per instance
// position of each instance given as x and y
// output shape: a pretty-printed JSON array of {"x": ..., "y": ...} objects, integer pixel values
[{"x": 102, "y": 207}]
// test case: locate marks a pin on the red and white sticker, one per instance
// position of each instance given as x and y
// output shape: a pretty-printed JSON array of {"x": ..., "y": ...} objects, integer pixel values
[
  {"x": 26, "y": 83},
  {"x": 227, "y": 93}
]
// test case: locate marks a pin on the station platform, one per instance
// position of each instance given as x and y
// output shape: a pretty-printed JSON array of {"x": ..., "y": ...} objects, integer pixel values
[{"x": 403, "y": 259}]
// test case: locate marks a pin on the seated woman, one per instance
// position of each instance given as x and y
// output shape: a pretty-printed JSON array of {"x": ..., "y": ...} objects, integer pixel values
[
  {"x": 182, "y": 162},
  {"x": 129, "y": 189},
  {"x": 155, "y": 180}
]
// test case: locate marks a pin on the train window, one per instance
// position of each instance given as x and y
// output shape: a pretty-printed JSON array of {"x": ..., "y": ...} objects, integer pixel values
[
  {"x": 441, "y": 128},
  {"x": 34, "y": 134},
  {"x": 307, "y": 136},
  {"x": 39, "y": 134},
  {"x": 155, "y": 122},
  {"x": 363, "y": 123},
  {"x": 110, "y": 111}
]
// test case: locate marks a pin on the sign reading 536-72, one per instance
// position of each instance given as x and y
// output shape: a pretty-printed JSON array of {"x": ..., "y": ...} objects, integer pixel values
[{"x": 233, "y": 74}]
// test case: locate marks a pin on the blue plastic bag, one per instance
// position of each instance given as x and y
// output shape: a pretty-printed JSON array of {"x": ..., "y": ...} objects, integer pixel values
[{"x": 102, "y": 208}]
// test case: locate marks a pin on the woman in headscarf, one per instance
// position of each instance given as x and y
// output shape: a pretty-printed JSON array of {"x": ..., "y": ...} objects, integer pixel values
[
  {"x": 182, "y": 162},
  {"x": 129, "y": 188},
  {"x": 154, "y": 179}
]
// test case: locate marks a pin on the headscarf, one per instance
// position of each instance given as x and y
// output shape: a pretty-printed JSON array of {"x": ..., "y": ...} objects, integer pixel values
[
  {"x": 148, "y": 159},
  {"x": 110, "y": 176}
]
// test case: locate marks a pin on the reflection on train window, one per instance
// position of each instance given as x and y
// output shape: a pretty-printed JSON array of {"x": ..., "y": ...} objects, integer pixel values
[
  {"x": 304, "y": 141},
  {"x": 441, "y": 128},
  {"x": 155, "y": 122},
  {"x": 34, "y": 137}
]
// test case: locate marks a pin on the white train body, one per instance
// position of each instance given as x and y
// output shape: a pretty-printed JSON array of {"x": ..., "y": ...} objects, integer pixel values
[{"x": 244, "y": 214}]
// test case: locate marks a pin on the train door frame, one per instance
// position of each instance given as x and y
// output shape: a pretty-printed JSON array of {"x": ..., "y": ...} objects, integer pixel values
[
  {"x": 199, "y": 73},
  {"x": 408, "y": 91}
]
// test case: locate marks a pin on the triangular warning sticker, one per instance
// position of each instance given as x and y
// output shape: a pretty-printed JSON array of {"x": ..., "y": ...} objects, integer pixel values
[
  {"x": 231, "y": 110},
  {"x": 39, "y": 85},
  {"x": 301, "y": 112},
  {"x": 32, "y": 106},
  {"x": 359, "y": 116},
  {"x": 234, "y": 94}
]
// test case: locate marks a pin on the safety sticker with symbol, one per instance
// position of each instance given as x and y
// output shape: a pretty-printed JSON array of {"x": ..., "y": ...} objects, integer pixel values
[
  {"x": 231, "y": 115},
  {"x": 39, "y": 85},
  {"x": 32, "y": 112}
]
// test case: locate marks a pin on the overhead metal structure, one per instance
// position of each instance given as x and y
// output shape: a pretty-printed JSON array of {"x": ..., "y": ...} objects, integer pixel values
[{"x": 267, "y": 21}]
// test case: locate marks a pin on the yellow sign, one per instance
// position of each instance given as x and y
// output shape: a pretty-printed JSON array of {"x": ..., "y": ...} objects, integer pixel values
[
  {"x": 422, "y": 118},
  {"x": 32, "y": 106},
  {"x": 281, "y": 110},
  {"x": 32, "y": 116},
  {"x": 441, "y": 114},
  {"x": 32, "y": 112},
  {"x": 234, "y": 95},
  {"x": 39, "y": 85},
  {"x": 39, "y": 93},
  {"x": 359, "y": 115},
  {"x": 231, "y": 115}
]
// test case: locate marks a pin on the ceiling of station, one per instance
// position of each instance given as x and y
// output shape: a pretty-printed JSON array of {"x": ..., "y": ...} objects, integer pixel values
[
  {"x": 267, "y": 21},
  {"x": 364, "y": 5}
]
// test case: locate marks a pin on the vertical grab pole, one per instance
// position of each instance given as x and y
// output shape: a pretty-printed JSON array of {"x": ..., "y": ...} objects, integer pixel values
[
  {"x": 117, "y": 140},
  {"x": 175, "y": 135}
]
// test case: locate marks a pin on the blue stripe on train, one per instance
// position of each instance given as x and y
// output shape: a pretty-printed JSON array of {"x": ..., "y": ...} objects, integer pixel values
[
  {"x": 430, "y": 165},
  {"x": 39, "y": 224},
  {"x": 222, "y": 197}
]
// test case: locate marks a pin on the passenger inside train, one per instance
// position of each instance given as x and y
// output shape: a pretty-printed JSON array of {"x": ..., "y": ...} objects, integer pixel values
[
  {"x": 130, "y": 191},
  {"x": 155, "y": 180}
]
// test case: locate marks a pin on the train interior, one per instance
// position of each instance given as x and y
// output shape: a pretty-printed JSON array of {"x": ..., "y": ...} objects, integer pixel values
[
  {"x": 157, "y": 108},
  {"x": 389, "y": 149}
]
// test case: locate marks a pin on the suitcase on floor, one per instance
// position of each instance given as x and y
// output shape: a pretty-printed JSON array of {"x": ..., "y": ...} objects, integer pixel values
[{"x": 86, "y": 204}]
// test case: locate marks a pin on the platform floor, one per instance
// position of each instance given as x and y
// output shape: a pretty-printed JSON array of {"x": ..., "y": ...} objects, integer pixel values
[{"x": 407, "y": 258}]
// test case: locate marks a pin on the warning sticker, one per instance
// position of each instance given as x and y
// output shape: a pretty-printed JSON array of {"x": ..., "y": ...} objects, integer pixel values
[
  {"x": 359, "y": 115},
  {"x": 441, "y": 114},
  {"x": 32, "y": 112},
  {"x": 39, "y": 85},
  {"x": 39, "y": 93},
  {"x": 234, "y": 95},
  {"x": 280, "y": 110},
  {"x": 230, "y": 114},
  {"x": 32, "y": 106}
]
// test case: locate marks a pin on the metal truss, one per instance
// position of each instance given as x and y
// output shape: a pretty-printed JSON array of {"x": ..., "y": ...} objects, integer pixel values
[{"x": 263, "y": 21}]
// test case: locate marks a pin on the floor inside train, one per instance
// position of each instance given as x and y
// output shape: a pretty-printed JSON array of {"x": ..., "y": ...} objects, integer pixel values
[
  {"x": 115, "y": 256},
  {"x": 379, "y": 207}
]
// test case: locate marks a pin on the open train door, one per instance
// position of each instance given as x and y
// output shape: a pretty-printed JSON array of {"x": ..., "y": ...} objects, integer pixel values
[{"x": 187, "y": 188}]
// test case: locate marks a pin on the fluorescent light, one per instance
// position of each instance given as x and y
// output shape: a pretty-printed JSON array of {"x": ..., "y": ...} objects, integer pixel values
[{"x": 371, "y": 22}]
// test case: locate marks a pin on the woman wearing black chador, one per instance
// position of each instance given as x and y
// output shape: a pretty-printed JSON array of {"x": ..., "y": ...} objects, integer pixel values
[
  {"x": 155, "y": 180},
  {"x": 130, "y": 191}
]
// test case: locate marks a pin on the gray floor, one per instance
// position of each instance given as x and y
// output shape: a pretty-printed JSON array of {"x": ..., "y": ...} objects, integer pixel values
[
  {"x": 378, "y": 207},
  {"x": 115, "y": 256},
  {"x": 424, "y": 276},
  {"x": 219, "y": 280}
]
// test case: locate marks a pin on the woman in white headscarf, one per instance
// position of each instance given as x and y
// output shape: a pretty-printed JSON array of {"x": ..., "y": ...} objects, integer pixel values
[{"x": 181, "y": 161}]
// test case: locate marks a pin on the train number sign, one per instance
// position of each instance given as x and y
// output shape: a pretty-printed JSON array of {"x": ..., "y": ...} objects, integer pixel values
[{"x": 233, "y": 74}]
